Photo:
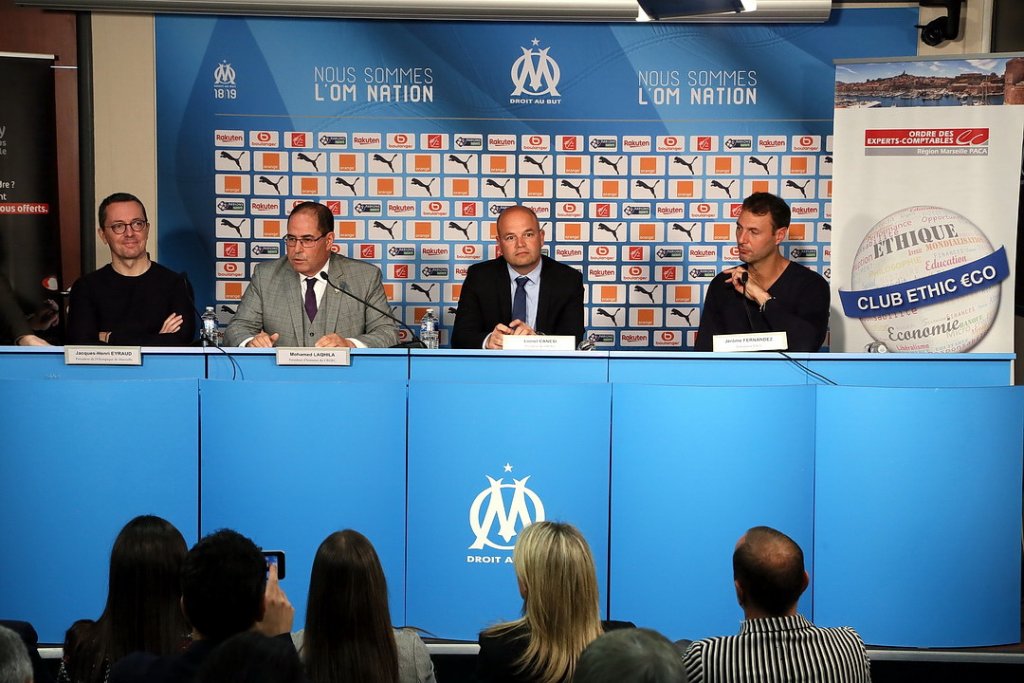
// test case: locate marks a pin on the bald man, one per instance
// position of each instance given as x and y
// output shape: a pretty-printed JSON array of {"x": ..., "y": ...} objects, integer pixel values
[
  {"x": 775, "y": 644},
  {"x": 520, "y": 292}
]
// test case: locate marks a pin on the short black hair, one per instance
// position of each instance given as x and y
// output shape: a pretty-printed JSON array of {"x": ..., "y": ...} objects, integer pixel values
[
  {"x": 630, "y": 655},
  {"x": 117, "y": 198},
  {"x": 765, "y": 203},
  {"x": 222, "y": 583},
  {"x": 769, "y": 566},
  {"x": 324, "y": 217}
]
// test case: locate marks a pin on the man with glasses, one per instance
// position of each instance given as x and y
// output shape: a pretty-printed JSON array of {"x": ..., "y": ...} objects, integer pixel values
[
  {"x": 133, "y": 300},
  {"x": 289, "y": 303}
]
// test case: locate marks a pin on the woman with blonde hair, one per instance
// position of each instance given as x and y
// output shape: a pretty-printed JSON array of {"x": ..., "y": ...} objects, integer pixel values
[
  {"x": 561, "y": 610},
  {"x": 348, "y": 635}
]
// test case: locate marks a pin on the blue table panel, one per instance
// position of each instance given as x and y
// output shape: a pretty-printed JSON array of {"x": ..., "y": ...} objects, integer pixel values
[
  {"x": 692, "y": 469},
  {"x": 368, "y": 365},
  {"x": 39, "y": 362},
  {"x": 764, "y": 369},
  {"x": 468, "y": 446},
  {"x": 288, "y": 463},
  {"x": 523, "y": 367},
  {"x": 79, "y": 459},
  {"x": 918, "y": 514}
]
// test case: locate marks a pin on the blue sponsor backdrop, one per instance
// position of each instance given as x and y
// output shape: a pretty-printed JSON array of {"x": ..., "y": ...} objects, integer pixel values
[{"x": 633, "y": 142}]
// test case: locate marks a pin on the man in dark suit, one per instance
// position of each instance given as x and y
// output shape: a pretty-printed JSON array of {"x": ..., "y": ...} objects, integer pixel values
[
  {"x": 288, "y": 303},
  {"x": 520, "y": 292}
]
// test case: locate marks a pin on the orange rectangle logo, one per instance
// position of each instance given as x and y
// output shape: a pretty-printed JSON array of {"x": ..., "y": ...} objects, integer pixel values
[
  {"x": 271, "y": 228},
  {"x": 345, "y": 229},
  {"x": 233, "y": 290},
  {"x": 828, "y": 188},
  {"x": 798, "y": 165},
  {"x": 232, "y": 183},
  {"x": 721, "y": 231},
  {"x": 421, "y": 230},
  {"x": 723, "y": 165},
  {"x": 609, "y": 188},
  {"x": 389, "y": 290},
  {"x": 572, "y": 231},
  {"x": 609, "y": 293},
  {"x": 682, "y": 294},
  {"x": 346, "y": 162},
  {"x": 648, "y": 165},
  {"x": 646, "y": 232},
  {"x": 573, "y": 164},
  {"x": 498, "y": 165},
  {"x": 759, "y": 186},
  {"x": 385, "y": 186},
  {"x": 460, "y": 187},
  {"x": 534, "y": 188},
  {"x": 309, "y": 186},
  {"x": 421, "y": 163},
  {"x": 271, "y": 161},
  {"x": 797, "y": 231},
  {"x": 418, "y": 312},
  {"x": 645, "y": 316},
  {"x": 684, "y": 188},
  {"x": 456, "y": 291}
]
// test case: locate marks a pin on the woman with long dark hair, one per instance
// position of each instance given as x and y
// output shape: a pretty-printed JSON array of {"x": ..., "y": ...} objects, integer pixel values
[
  {"x": 348, "y": 634},
  {"x": 561, "y": 610},
  {"x": 143, "y": 610}
]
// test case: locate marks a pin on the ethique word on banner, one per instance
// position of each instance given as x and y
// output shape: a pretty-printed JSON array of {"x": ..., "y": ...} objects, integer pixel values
[{"x": 970, "y": 277}]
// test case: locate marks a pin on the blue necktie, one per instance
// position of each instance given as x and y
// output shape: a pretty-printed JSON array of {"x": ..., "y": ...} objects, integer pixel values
[
  {"x": 310, "y": 298},
  {"x": 519, "y": 302}
]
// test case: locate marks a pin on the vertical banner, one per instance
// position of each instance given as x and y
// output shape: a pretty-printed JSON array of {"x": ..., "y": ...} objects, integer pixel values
[
  {"x": 635, "y": 144},
  {"x": 29, "y": 230},
  {"x": 928, "y": 161}
]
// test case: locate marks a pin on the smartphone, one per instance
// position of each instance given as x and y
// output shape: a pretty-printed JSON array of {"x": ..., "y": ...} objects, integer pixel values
[{"x": 275, "y": 557}]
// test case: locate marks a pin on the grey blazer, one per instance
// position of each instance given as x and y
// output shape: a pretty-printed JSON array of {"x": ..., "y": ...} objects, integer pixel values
[{"x": 273, "y": 303}]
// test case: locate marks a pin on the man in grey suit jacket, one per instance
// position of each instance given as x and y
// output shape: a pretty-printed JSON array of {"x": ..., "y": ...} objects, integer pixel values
[{"x": 289, "y": 304}]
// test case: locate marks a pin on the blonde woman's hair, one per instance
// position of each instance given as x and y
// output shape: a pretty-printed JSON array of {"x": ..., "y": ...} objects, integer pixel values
[{"x": 561, "y": 610}]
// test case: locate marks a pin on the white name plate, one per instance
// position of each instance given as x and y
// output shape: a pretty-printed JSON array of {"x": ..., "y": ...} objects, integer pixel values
[
  {"x": 539, "y": 342},
  {"x": 754, "y": 341},
  {"x": 314, "y": 356},
  {"x": 102, "y": 355}
]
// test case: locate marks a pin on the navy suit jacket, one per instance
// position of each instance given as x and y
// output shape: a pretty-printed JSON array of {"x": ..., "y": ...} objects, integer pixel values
[{"x": 486, "y": 300}]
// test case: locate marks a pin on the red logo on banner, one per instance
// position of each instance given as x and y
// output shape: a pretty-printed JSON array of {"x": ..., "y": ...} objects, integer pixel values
[
  {"x": 231, "y": 249},
  {"x": 434, "y": 141},
  {"x": 735, "y": 210},
  {"x": 569, "y": 144},
  {"x": 468, "y": 209},
  {"x": 603, "y": 211},
  {"x": 806, "y": 141},
  {"x": 263, "y": 136},
  {"x": 703, "y": 208},
  {"x": 536, "y": 140},
  {"x": 635, "y": 271},
  {"x": 401, "y": 271},
  {"x": 366, "y": 251},
  {"x": 298, "y": 139},
  {"x": 925, "y": 137},
  {"x": 334, "y": 206},
  {"x": 435, "y": 206},
  {"x": 230, "y": 267},
  {"x": 671, "y": 141},
  {"x": 636, "y": 254},
  {"x": 668, "y": 336},
  {"x": 668, "y": 273},
  {"x": 401, "y": 138},
  {"x": 602, "y": 250},
  {"x": 703, "y": 143}
]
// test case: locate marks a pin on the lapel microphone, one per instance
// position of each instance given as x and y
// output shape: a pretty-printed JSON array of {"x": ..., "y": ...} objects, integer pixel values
[{"x": 416, "y": 343}]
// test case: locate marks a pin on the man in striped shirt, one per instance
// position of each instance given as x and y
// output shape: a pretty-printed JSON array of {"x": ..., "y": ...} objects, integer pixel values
[{"x": 775, "y": 644}]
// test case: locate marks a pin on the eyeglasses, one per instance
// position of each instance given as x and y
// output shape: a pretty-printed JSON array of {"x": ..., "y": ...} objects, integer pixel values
[
  {"x": 137, "y": 225},
  {"x": 305, "y": 240}
]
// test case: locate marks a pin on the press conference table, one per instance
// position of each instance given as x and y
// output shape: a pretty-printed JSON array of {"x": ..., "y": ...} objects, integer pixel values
[{"x": 902, "y": 482}]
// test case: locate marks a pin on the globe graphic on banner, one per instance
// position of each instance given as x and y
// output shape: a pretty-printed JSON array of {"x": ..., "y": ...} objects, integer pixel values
[{"x": 919, "y": 242}]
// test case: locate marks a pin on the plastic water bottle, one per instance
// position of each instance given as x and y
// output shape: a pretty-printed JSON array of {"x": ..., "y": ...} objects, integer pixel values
[
  {"x": 428, "y": 329},
  {"x": 209, "y": 334}
]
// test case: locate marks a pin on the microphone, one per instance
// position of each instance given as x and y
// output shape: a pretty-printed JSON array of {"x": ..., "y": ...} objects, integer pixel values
[
  {"x": 416, "y": 343},
  {"x": 744, "y": 276}
]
